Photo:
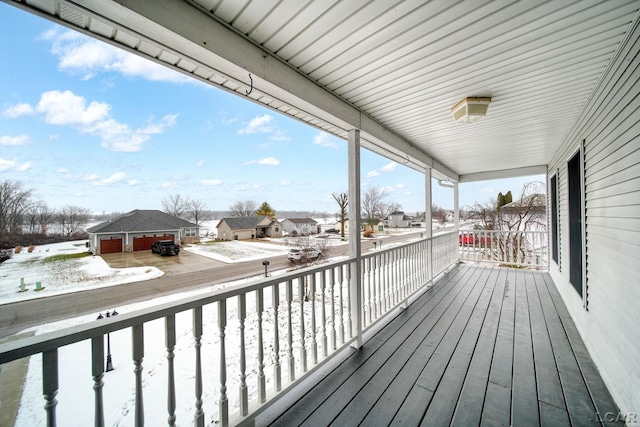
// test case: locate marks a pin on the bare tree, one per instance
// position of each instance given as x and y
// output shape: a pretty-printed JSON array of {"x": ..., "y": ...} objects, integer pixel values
[
  {"x": 439, "y": 214},
  {"x": 373, "y": 205},
  {"x": 197, "y": 211},
  {"x": 39, "y": 217},
  {"x": 176, "y": 205},
  {"x": 244, "y": 208},
  {"x": 14, "y": 202},
  {"x": 391, "y": 208},
  {"x": 526, "y": 214},
  {"x": 71, "y": 219},
  {"x": 342, "y": 199}
]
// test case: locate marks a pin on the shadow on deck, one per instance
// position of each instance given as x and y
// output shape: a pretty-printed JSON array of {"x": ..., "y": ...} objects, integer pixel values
[{"x": 484, "y": 346}]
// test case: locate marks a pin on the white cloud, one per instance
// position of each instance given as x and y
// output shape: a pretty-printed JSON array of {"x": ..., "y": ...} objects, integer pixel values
[
  {"x": 271, "y": 161},
  {"x": 81, "y": 55},
  {"x": 260, "y": 124},
  {"x": 399, "y": 185},
  {"x": 18, "y": 110},
  {"x": 90, "y": 177},
  {"x": 264, "y": 124},
  {"x": 66, "y": 108},
  {"x": 390, "y": 167},
  {"x": 386, "y": 189},
  {"x": 285, "y": 182},
  {"x": 211, "y": 182},
  {"x": 12, "y": 165},
  {"x": 15, "y": 140},
  {"x": 371, "y": 174},
  {"x": 62, "y": 170},
  {"x": 113, "y": 179},
  {"x": 199, "y": 163},
  {"x": 325, "y": 140},
  {"x": 133, "y": 182}
]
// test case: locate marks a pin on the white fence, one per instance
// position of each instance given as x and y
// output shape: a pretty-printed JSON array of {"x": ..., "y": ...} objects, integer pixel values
[
  {"x": 527, "y": 249},
  {"x": 261, "y": 337}
]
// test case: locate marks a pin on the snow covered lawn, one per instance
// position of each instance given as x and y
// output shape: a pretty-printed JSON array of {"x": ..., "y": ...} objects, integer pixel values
[{"x": 58, "y": 276}]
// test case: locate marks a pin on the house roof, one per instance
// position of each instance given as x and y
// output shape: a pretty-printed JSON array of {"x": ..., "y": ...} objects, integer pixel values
[
  {"x": 301, "y": 220},
  {"x": 141, "y": 220},
  {"x": 243, "y": 222},
  {"x": 531, "y": 201}
]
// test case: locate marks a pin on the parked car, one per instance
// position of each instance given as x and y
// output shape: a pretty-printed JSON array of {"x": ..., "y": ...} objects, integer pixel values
[
  {"x": 332, "y": 231},
  {"x": 302, "y": 255},
  {"x": 165, "y": 247}
]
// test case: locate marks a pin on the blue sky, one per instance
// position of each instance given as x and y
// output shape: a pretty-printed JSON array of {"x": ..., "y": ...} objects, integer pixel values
[{"x": 85, "y": 124}]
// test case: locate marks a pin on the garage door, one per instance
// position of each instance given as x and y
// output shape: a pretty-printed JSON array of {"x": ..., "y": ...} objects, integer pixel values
[
  {"x": 109, "y": 246},
  {"x": 144, "y": 243}
]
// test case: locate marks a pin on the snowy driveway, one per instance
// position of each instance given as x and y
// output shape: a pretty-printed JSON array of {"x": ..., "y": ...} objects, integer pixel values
[{"x": 185, "y": 262}]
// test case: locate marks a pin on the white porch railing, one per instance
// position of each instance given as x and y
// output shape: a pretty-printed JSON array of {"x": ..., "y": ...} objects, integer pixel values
[
  {"x": 262, "y": 337},
  {"x": 509, "y": 248}
]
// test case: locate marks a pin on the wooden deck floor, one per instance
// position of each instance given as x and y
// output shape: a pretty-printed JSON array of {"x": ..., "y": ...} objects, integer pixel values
[{"x": 485, "y": 346}]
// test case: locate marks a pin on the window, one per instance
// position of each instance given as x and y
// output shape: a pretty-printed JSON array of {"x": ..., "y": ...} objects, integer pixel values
[
  {"x": 576, "y": 219},
  {"x": 190, "y": 232},
  {"x": 553, "y": 190}
]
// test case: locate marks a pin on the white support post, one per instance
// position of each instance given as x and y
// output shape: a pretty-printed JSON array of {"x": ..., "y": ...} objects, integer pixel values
[
  {"x": 355, "y": 246},
  {"x": 456, "y": 206},
  {"x": 428, "y": 219}
]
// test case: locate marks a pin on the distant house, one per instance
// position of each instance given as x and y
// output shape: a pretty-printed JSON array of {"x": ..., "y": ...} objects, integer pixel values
[
  {"x": 528, "y": 213},
  {"x": 398, "y": 219},
  {"x": 137, "y": 230},
  {"x": 378, "y": 225},
  {"x": 299, "y": 226},
  {"x": 248, "y": 227}
]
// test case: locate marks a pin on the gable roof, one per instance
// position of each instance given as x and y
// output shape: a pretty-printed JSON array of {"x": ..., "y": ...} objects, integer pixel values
[
  {"x": 242, "y": 222},
  {"x": 301, "y": 220},
  {"x": 141, "y": 220}
]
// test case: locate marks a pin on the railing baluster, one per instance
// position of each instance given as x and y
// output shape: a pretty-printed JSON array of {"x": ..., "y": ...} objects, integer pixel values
[
  {"x": 290, "y": 358},
  {"x": 262, "y": 387},
  {"x": 314, "y": 342},
  {"x": 370, "y": 296},
  {"x": 338, "y": 270},
  {"x": 349, "y": 303},
  {"x": 50, "y": 384},
  {"x": 223, "y": 404},
  {"x": 197, "y": 338},
  {"x": 303, "y": 343},
  {"x": 277, "y": 370},
  {"x": 244, "y": 395},
  {"x": 97, "y": 371},
  {"x": 376, "y": 285},
  {"x": 332, "y": 292},
  {"x": 170, "y": 339},
  {"x": 323, "y": 315},
  {"x": 137, "y": 335}
]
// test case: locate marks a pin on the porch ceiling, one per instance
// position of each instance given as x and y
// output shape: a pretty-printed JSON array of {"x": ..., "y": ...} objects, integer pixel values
[{"x": 391, "y": 68}]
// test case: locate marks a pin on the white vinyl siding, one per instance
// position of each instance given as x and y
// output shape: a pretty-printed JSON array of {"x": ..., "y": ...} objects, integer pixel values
[{"x": 610, "y": 127}]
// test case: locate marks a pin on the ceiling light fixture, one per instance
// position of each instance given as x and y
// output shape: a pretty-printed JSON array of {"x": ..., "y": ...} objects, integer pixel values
[{"x": 470, "y": 109}]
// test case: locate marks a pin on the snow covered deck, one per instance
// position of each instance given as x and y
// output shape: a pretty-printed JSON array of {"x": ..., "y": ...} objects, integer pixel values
[{"x": 486, "y": 345}]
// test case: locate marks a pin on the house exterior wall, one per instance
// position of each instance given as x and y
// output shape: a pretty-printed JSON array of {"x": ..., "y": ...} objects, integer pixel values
[
  {"x": 300, "y": 228},
  {"x": 609, "y": 318}
]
